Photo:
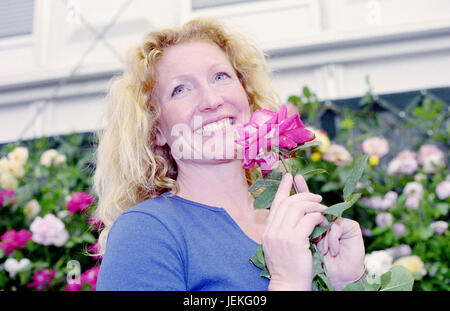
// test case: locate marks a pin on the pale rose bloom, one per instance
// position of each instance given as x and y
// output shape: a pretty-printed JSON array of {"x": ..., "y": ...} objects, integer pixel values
[
  {"x": 4, "y": 164},
  {"x": 366, "y": 232},
  {"x": 19, "y": 155},
  {"x": 13, "y": 266},
  {"x": 16, "y": 169},
  {"x": 384, "y": 220},
  {"x": 413, "y": 202},
  {"x": 31, "y": 209},
  {"x": 8, "y": 181},
  {"x": 375, "y": 202},
  {"x": 413, "y": 263},
  {"x": 404, "y": 163},
  {"x": 414, "y": 188},
  {"x": 49, "y": 230},
  {"x": 439, "y": 226},
  {"x": 389, "y": 200},
  {"x": 399, "y": 229},
  {"x": 378, "y": 262},
  {"x": 375, "y": 146},
  {"x": 400, "y": 251},
  {"x": 443, "y": 190},
  {"x": 52, "y": 158},
  {"x": 431, "y": 158},
  {"x": 337, "y": 154},
  {"x": 419, "y": 177}
]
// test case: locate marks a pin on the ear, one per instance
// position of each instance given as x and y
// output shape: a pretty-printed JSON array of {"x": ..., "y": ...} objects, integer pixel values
[{"x": 160, "y": 139}]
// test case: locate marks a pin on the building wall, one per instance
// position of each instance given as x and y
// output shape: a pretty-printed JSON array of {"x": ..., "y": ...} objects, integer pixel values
[{"x": 54, "y": 80}]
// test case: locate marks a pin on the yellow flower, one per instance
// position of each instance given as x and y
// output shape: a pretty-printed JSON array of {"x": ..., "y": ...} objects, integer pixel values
[
  {"x": 374, "y": 160},
  {"x": 4, "y": 164},
  {"x": 8, "y": 181},
  {"x": 413, "y": 263},
  {"x": 322, "y": 137},
  {"x": 19, "y": 155},
  {"x": 316, "y": 156},
  {"x": 31, "y": 209},
  {"x": 16, "y": 169}
]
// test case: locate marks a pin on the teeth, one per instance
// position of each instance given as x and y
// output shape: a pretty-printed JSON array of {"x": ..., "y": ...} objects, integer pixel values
[{"x": 215, "y": 126}]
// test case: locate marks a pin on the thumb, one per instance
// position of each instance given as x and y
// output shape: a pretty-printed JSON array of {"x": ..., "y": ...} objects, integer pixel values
[{"x": 300, "y": 182}]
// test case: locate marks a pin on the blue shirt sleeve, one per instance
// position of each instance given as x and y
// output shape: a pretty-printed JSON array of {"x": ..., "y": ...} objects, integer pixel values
[{"x": 141, "y": 254}]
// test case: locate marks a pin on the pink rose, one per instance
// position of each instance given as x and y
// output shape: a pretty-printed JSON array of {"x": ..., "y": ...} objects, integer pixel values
[
  {"x": 291, "y": 109},
  {"x": 42, "y": 279},
  {"x": 79, "y": 201},
  {"x": 268, "y": 128},
  {"x": 94, "y": 248},
  {"x": 404, "y": 163},
  {"x": 7, "y": 194},
  {"x": 90, "y": 277},
  {"x": 443, "y": 190},
  {"x": 49, "y": 230},
  {"x": 12, "y": 240},
  {"x": 338, "y": 155},
  {"x": 375, "y": 146},
  {"x": 431, "y": 158}
]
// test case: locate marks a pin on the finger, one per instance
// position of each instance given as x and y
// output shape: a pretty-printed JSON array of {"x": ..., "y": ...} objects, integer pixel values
[
  {"x": 322, "y": 245},
  {"x": 291, "y": 214},
  {"x": 350, "y": 228},
  {"x": 307, "y": 225},
  {"x": 283, "y": 191},
  {"x": 334, "y": 237},
  {"x": 301, "y": 183},
  {"x": 304, "y": 196}
]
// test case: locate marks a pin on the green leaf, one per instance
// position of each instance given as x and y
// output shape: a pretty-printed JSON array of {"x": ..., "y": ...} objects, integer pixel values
[
  {"x": 338, "y": 209},
  {"x": 306, "y": 92},
  {"x": 426, "y": 233},
  {"x": 330, "y": 186},
  {"x": 318, "y": 231},
  {"x": 88, "y": 237},
  {"x": 263, "y": 182},
  {"x": 265, "y": 199},
  {"x": 401, "y": 280},
  {"x": 354, "y": 287},
  {"x": 314, "y": 172},
  {"x": 310, "y": 144},
  {"x": 355, "y": 175},
  {"x": 260, "y": 255}
]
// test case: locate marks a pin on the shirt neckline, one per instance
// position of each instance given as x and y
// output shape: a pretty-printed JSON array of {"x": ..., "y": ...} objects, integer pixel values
[{"x": 213, "y": 208}]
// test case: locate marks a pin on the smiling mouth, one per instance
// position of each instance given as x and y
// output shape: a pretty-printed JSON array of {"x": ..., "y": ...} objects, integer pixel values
[{"x": 217, "y": 126}]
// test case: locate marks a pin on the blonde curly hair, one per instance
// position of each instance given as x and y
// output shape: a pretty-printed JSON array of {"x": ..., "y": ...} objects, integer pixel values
[{"x": 130, "y": 167}]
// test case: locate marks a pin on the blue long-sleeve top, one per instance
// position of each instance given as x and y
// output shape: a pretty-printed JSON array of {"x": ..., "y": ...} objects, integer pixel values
[{"x": 171, "y": 243}]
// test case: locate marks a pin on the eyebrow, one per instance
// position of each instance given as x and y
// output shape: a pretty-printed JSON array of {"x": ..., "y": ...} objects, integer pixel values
[{"x": 181, "y": 76}]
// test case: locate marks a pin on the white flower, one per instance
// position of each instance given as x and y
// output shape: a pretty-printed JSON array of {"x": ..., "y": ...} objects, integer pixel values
[
  {"x": 16, "y": 169},
  {"x": 404, "y": 163},
  {"x": 49, "y": 230},
  {"x": 378, "y": 262},
  {"x": 443, "y": 190},
  {"x": 384, "y": 220},
  {"x": 52, "y": 158},
  {"x": 13, "y": 266},
  {"x": 4, "y": 164},
  {"x": 338, "y": 155},
  {"x": 19, "y": 155}
]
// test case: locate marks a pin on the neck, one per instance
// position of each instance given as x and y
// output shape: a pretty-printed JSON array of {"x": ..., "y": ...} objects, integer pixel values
[{"x": 221, "y": 185}]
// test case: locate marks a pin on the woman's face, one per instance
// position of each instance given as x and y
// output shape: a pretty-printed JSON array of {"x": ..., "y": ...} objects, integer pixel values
[{"x": 201, "y": 100}]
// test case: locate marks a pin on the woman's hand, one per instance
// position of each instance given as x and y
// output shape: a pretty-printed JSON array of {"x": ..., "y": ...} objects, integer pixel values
[
  {"x": 285, "y": 241},
  {"x": 343, "y": 249}
]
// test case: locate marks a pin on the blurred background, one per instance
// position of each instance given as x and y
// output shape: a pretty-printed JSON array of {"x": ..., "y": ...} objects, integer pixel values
[
  {"x": 57, "y": 56},
  {"x": 367, "y": 76}
]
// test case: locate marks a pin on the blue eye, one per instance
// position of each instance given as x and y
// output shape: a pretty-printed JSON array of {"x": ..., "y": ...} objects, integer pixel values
[
  {"x": 222, "y": 76},
  {"x": 178, "y": 90}
]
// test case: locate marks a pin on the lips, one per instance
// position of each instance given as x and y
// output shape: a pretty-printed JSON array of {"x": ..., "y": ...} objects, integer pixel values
[{"x": 215, "y": 120}]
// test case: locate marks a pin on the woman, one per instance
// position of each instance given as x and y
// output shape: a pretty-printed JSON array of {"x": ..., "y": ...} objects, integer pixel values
[{"x": 172, "y": 192}]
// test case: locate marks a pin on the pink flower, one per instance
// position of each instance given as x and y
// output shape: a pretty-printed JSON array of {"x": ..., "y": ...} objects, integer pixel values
[
  {"x": 291, "y": 109},
  {"x": 439, "y": 226},
  {"x": 337, "y": 154},
  {"x": 11, "y": 240},
  {"x": 383, "y": 219},
  {"x": 94, "y": 248},
  {"x": 404, "y": 163},
  {"x": 431, "y": 158},
  {"x": 375, "y": 146},
  {"x": 400, "y": 251},
  {"x": 7, "y": 194},
  {"x": 268, "y": 128},
  {"x": 96, "y": 223},
  {"x": 73, "y": 286},
  {"x": 443, "y": 190},
  {"x": 79, "y": 201},
  {"x": 49, "y": 230},
  {"x": 399, "y": 229},
  {"x": 90, "y": 277},
  {"x": 42, "y": 279}
]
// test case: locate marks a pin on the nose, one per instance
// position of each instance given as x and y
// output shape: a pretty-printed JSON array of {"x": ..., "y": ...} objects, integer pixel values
[{"x": 210, "y": 99}]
